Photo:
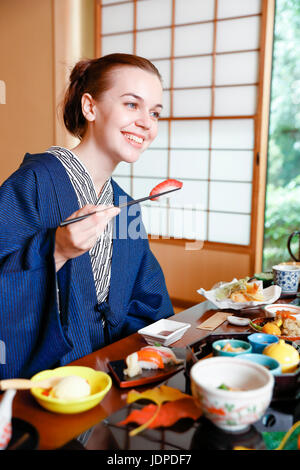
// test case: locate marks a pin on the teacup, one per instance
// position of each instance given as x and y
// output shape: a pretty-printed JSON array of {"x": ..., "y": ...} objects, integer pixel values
[{"x": 287, "y": 277}]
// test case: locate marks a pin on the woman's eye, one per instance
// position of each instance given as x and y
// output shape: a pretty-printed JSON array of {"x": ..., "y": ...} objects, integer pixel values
[
  {"x": 155, "y": 114},
  {"x": 131, "y": 105}
]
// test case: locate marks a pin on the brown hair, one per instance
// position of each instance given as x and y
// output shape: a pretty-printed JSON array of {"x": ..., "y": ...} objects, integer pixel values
[{"x": 93, "y": 76}]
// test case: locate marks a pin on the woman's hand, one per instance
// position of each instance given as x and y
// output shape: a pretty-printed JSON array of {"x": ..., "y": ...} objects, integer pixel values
[{"x": 75, "y": 239}]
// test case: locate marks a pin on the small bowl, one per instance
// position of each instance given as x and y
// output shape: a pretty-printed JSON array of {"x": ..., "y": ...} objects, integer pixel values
[
  {"x": 259, "y": 341},
  {"x": 100, "y": 383},
  {"x": 235, "y": 343},
  {"x": 271, "y": 310},
  {"x": 231, "y": 410},
  {"x": 164, "y": 332},
  {"x": 269, "y": 362}
]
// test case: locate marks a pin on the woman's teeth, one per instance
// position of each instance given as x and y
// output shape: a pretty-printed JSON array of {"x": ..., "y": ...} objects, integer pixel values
[{"x": 139, "y": 140}]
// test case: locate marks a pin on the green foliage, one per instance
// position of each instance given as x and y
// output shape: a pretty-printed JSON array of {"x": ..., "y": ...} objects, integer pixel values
[{"x": 283, "y": 185}]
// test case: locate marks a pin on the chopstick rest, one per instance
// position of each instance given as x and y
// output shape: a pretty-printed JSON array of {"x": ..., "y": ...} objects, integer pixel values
[{"x": 214, "y": 321}]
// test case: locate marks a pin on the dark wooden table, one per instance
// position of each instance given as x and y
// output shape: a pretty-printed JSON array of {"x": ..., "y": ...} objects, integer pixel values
[{"x": 56, "y": 430}]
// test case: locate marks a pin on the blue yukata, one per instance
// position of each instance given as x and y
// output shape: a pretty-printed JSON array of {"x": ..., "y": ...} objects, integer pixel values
[{"x": 49, "y": 319}]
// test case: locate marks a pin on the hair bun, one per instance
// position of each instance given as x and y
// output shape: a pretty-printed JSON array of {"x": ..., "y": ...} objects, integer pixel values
[{"x": 79, "y": 71}]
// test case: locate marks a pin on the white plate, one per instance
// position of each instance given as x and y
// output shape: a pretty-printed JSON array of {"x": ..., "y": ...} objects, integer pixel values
[
  {"x": 271, "y": 294},
  {"x": 152, "y": 333}
]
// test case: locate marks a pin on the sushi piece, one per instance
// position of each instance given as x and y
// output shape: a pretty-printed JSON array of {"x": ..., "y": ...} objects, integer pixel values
[
  {"x": 150, "y": 357},
  {"x": 166, "y": 185},
  {"x": 143, "y": 360},
  {"x": 167, "y": 354}
]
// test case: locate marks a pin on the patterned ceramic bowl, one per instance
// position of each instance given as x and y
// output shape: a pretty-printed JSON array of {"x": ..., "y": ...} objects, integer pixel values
[
  {"x": 231, "y": 409},
  {"x": 287, "y": 277}
]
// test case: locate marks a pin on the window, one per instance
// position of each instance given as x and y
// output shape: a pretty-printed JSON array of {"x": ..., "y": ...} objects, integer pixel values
[
  {"x": 211, "y": 55},
  {"x": 283, "y": 187}
]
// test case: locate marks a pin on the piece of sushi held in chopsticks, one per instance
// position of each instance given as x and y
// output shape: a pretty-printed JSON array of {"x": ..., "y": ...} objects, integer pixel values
[
  {"x": 167, "y": 185},
  {"x": 150, "y": 357}
]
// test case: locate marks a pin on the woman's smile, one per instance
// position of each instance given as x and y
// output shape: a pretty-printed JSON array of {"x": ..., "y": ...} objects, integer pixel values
[{"x": 134, "y": 139}]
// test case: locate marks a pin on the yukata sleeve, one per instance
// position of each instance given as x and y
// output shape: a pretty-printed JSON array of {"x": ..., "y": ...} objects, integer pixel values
[
  {"x": 31, "y": 333},
  {"x": 150, "y": 300}
]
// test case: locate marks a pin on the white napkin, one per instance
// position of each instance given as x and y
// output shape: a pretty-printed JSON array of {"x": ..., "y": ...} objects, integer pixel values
[
  {"x": 271, "y": 294},
  {"x": 5, "y": 418}
]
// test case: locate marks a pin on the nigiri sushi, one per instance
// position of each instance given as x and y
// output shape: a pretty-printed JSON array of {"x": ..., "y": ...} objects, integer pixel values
[
  {"x": 167, "y": 354},
  {"x": 149, "y": 357},
  {"x": 167, "y": 185}
]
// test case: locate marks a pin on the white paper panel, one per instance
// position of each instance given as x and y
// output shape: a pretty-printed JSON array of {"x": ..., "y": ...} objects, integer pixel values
[
  {"x": 231, "y": 197},
  {"x": 189, "y": 11},
  {"x": 237, "y": 68},
  {"x": 235, "y": 101},
  {"x": 229, "y": 228},
  {"x": 189, "y": 164},
  {"x": 154, "y": 44},
  {"x": 238, "y": 35},
  {"x": 155, "y": 219},
  {"x": 194, "y": 39},
  {"x": 117, "y": 18},
  {"x": 123, "y": 169},
  {"x": 194, "y": 71},
  {"x": 233, "y": 134},
  {"x": 193, "y": 194},
  {"x": 154, "y": 13},
  {"x": 124, "y": 182},
  {"x": 107, "y": 2},
  {"x": 192, "y": 102},
  {"x": 165, "y": 112},
  {"x": 164, "y": 68},
  {"x": 231, "y": 8},
  {"x": 187, "y": 223},
  {"x": 118, "y": 43},
  {"x": 161, "y": 140},
  {"x": 152, "y": 163},
  {"x": 190, "y": 134},
  {"x": 231, "y": 165}
]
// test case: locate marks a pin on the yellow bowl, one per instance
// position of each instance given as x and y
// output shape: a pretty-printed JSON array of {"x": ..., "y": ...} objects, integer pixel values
[{"x": 100, "y": 384}]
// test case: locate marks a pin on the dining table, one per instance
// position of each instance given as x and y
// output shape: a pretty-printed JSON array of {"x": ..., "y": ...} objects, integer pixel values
[{"x": 62, "y": 431}]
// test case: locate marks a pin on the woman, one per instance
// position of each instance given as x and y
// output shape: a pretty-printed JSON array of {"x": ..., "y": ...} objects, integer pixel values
[{"x": 68, "y": 291}]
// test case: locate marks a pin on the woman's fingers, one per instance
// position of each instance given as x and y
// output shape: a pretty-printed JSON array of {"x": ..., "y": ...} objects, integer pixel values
[{"x": 75, "y": 239}]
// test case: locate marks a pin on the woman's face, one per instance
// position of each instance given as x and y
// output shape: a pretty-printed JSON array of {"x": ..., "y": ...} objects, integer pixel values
[{"x": 126, "y": 115}]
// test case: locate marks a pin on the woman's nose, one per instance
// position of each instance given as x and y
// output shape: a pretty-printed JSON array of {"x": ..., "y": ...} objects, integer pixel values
[{"x": 143, "y": 120}]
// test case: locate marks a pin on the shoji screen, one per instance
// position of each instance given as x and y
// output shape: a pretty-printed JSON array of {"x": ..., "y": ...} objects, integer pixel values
[{"x": 208, "y": 53}]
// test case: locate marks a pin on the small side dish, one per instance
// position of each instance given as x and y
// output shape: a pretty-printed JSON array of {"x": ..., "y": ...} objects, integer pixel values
[
  {"x": 74, "y": 395},
  {"x": 230, "y": 347},
  {"x": 284, "y": 324}
]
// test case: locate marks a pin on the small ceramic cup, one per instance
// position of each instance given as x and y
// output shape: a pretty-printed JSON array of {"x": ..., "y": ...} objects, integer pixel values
[{"x": 287, "y": 277}]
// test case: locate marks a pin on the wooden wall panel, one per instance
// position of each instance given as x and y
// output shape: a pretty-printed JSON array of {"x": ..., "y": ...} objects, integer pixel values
[
  {"x": 27, "y": 118},
  {"x": 186, "y": 271}
]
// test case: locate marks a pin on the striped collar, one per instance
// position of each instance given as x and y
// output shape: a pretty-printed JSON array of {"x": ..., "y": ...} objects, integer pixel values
[{"x": 81, "y": 179}]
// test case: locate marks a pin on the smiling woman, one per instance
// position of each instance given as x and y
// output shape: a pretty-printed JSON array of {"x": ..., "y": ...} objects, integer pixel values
[{"x": 89, "y": 283}]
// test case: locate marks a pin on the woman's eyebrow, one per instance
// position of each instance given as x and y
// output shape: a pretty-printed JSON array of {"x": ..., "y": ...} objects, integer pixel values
[{"x": 140, "y": 99}]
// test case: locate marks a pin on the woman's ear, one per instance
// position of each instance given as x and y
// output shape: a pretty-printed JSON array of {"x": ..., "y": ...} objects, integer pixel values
[{"x": 88, "y": 107}]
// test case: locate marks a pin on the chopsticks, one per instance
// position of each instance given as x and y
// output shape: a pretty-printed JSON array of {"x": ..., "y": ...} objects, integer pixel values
[{"x": 130, "y": 203}]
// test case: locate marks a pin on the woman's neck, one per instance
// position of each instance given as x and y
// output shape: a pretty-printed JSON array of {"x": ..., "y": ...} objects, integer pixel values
[{"x": 99, "y": 167}]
